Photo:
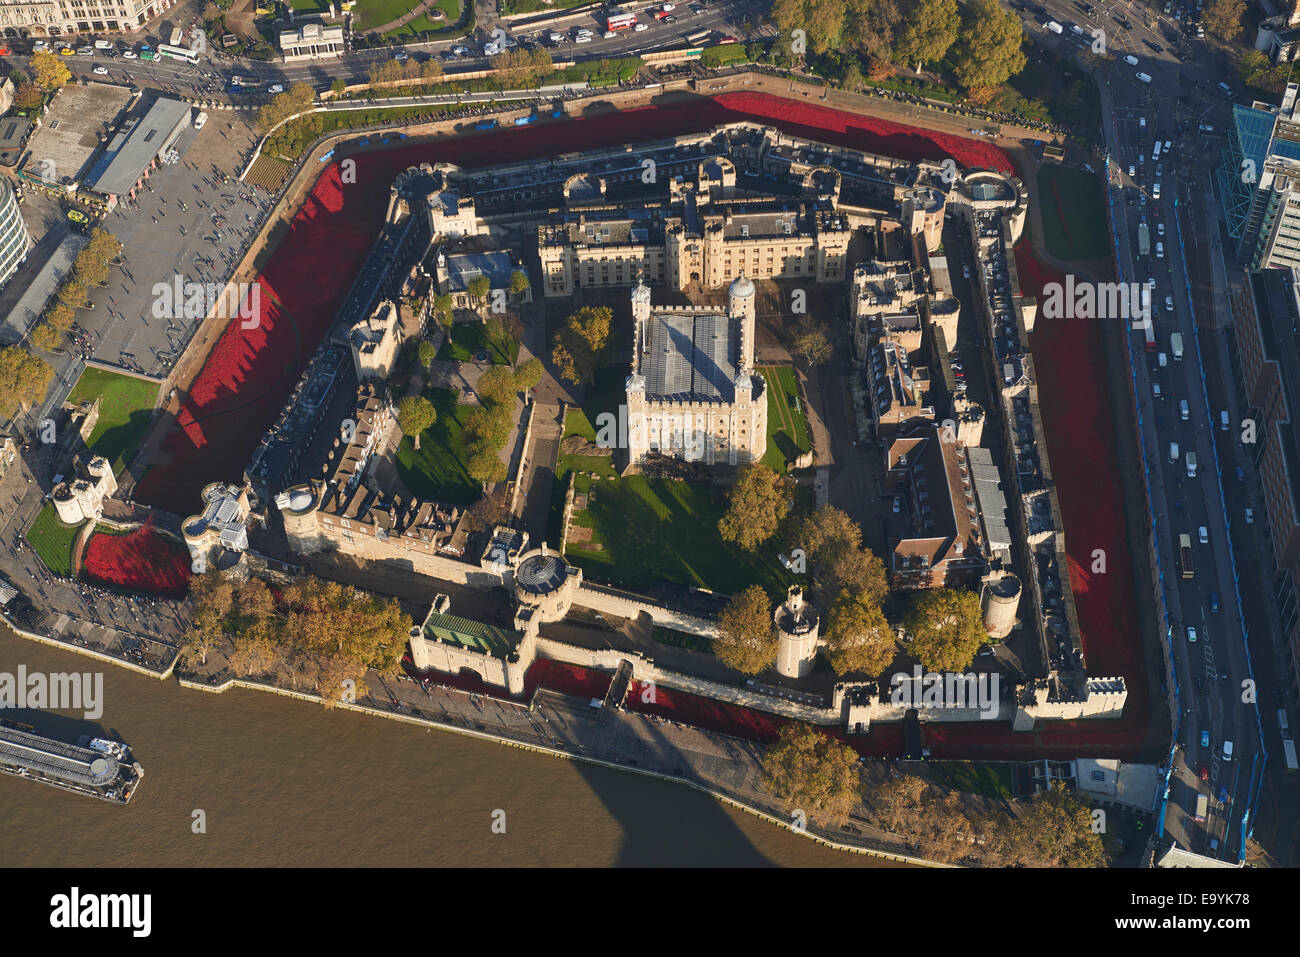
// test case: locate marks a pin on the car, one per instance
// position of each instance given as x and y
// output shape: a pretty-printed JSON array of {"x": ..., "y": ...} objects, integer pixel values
[
  {"x": 1155, "y": 47},
  {"x": 1155, "y": 191},
  {"x": 100, "y": 71},
  {"x": 1250, "y": 516},
  {"x": 1205, "y": 739},
  {"x": 1203, "y": 772},
  {"x": 1191, "y": 634},
  {"x": 1160, "y": 229},
  {"x": 640, "y": 28},
  {"x": 582, "y": 38},
  {"x": 4, "y": 51},
  {"x": 200, "y": 120},
  {"x": 400, "y": 55},
  {"x": 1169, "y": 303},
  {"x": 66, "y": 51},
  {"x": 1204, "y": 534},
  {"x": 40, "y": 45},
  {"x": 77, "y": 216},
  {"x": 448, "y": 54},
  {"x": 898, "y": 504},
  {"x": 1214, "y": 603},
  {"x": 1132, "y": 172},
  {"x": 610, "y": 34},
  {"x": 555, "y": 37},
  {"x": 128, "y": 55},
  {"x": 86, "y": 51}
]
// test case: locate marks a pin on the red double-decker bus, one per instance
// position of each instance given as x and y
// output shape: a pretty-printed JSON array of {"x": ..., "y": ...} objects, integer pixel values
[{"x": 620, "y": 21}]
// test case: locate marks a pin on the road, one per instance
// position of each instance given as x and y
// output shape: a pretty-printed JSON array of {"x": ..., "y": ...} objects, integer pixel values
[{"x": 1211, "y": 669}]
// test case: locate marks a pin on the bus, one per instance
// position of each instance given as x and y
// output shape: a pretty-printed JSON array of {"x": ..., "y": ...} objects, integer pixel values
[
  {"x": 1288, "y": 752},
  {"x": 147, "y": 55},
  {"x": 620, "y": 21},
  {"x": 170, "y": 52},
  {"x": 695, "y": 39},
  {"x": 1202, "y": 807}
]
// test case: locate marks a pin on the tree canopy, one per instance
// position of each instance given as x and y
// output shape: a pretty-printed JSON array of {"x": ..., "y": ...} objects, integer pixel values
[
  {"x": 988, "y": 52},
  {"x": 809, "y": 771},
  {"x": 49, "y": 70},
  {"x": 415, "y": 413},
  {"x": 579, "y": 347},
  {"x": 945, "y": 628},
  {"x": 858, "y": 638},
  {"x": 23, "y": 378},
  {"x": 928, "y": 30},
  {"x": 746, "y": 636},
  {"x": 759, "y": 500}
]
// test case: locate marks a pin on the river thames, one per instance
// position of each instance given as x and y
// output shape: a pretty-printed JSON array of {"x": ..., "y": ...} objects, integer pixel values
[{"x": 283, "y": 783}]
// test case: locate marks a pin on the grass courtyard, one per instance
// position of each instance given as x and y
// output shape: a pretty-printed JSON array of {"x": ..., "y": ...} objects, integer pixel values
[
  {"x": 642, "y": 530},
  {"x": 787, "y": 425},
  {"x": 1074, "y": 217},
  {"x": 437, "y": 471},
  {"x": 469, "y": 339},
  {"x": 52, "y": 541},
  {"x": 124, "y": 409},
  {"x": 423, "y": 23}
]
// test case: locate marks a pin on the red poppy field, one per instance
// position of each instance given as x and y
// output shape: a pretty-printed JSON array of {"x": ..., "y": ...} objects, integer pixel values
[
  {"x": 251, "y": 372},
  {"x": 140, "y": 561}
]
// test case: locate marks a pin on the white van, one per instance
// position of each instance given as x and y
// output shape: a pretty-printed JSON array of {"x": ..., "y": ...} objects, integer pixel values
[
  {"x": 1131, "y": 60},
  {"x": 1155, "y": 151},
  {"x": 103, "y": 44},
  {"x": 1162, "y": 359},
  {"x": 1223, "y": 421},
  {"x": 1173, "y": 451},
  {"x": 1183, "y": 411},
  {"x": 1155, "y": 389},
  {"x": 1160, "y": 250},
  {"x": 1204, "y": 534},
  {"x": 1053, "y": 26},
  {"x": 1144, "y": 77},
  {"x": 1227, "y": 745}
]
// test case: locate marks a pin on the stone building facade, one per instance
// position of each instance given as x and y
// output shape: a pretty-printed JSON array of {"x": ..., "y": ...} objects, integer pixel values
[{"x": 82, "y": 497}]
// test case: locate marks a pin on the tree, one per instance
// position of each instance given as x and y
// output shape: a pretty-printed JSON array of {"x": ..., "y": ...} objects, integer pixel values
[
  {"x": 478, "y": 289},
  {"x": 858, "y": 638},
  {"x": 810, "y": 772},
  {"x": 73, "y": 293},
  {"x": 579, "y": 345},
  {"x": 431, "y": 70},
  {"x": 211, "y": 11},
  {"x": 928, "y": 29},
  {"x": 491, "y": 426},
  {"x": 426, "y": 353},
  {"x": 45, "y": 337},
  {"x": 746, "y": 636},
  {"x": 443, "y": 309},
  {"x": 483, "y": 464},
  {"x": 841, "y": 568},
  {"x": 59, "y": 316},
  {"x": 415, "y": 413},
  {"x": 518, "y": 283},
  {"x": 339, "y": 85},
  {"x": 870, "y": 27},
  {"x": 1222, "y": 18},
  {"x": 989, "y": 50},
  {"x": 28, "y": 95},
  {"x": 528, "y": 375},
  {"x": 497, "y": 384},
  {"x": 758, "y": 502},
  {"x": 49, "y": 70},
  {"x": 809, "y": 341},
  {"x": 23, "y": 377},
  {"x": 491, "y": 510},
  {"x": 104, "y": 245},
  {"x": 1055, "y": 830},
  {"x": 90, "y": 270},
  {"x": 823, "y": 527},
  {"x": 945, "y": 628}
]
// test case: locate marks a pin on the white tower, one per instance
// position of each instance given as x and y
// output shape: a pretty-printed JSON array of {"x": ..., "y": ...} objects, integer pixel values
[
  {"x": 797, "y": 631},
  {"x": 740, "y": 305}
]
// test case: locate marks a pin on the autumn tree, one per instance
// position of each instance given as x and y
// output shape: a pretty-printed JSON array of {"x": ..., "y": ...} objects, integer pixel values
[
  {"x": 822, "y": 22},
  {"x": 746, "y": 636},
  {"x": 27, "y": 95},
  {"x": 1054, "y": 829},
  {"x": 858, "y": 638},
  {"x": 23, "y": 378},
  {"x": 426, "y": 353},
  {"x": 484, "y": 464},
  {"x": 945, "y": 628},
  {"x": 810, "y": 772},
  {"x": 49, "y": 71},
  {"x": 443, "y": 309},
  {"x": 479, "y": 287},
  {"x": 809, "y": 342},
  {"x": 497, "y": 384},
  {"x": 579, "y": 347},
  {"x": 1222, "y": 18},
  {"x": 415, "y": 413},
  {"x": 528, "y": 375},
  {"x": 431, "y": 70},
  {"x": 518, "y": 283},
  {"x": 73, "y": 293},
  {"x": 989, "y": 50},
  {"x": 928, "y": 30},
  {"x": 832, "y": 542},
  {"x": 759, "y": 501},
  {"x": 870, "y": 28},
  {"x": 59, "y": 316},
  {"x": 491, "y": 425},
  {"x": 45, "y": 337}
]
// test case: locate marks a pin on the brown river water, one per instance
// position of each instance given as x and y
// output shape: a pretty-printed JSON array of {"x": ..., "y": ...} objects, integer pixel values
[{"x": 284, "y": 783}]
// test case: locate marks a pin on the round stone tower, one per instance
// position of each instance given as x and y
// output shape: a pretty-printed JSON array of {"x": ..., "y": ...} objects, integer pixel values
[
  {"x": 998, "y": 602},
  {"x": 797, "y": 630}
]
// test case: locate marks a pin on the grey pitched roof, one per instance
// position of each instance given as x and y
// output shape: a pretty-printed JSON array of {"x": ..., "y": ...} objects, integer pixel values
[{"x": 691, "y": 357}]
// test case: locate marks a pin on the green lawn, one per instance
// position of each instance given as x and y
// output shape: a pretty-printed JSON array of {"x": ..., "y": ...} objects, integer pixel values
[
  {"x": 422, "y": 23},
  {"x": 308, "y": 7},
  {"x": 470, "y": 338},
  {"x": 532, "y": 6},
  {"x": 682, "y": 639},
  {"x": 375, "y": 13},
  {"x": 52, "y": 541},
  {"x": 990, "y": 779},
  {"x": 437, "y": 471},
  {"x": 124, "y": 410},
  {"x": 787, "y": 426},
  {"x": 1074, "y": 217}
]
